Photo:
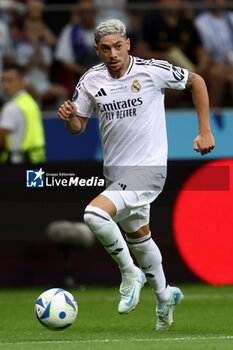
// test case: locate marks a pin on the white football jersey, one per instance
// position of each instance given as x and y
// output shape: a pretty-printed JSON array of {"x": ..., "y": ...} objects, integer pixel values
[{"x": 130, "y": 110}]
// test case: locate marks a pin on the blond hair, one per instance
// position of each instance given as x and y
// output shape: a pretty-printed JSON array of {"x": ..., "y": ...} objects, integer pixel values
[{"x": 111, "y": 26}]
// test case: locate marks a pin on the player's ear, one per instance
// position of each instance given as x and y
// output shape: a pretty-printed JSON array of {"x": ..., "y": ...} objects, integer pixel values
[
  {"x": 128, "y": 43},
  {"x": 97, "y": 50}
]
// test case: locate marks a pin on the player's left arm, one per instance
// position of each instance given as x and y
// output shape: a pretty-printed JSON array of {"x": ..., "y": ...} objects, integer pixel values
[{"x": 204, "y": 142}]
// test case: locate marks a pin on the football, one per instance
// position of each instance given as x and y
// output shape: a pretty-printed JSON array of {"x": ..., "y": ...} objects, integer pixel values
[{"x": 56, "y": 309}]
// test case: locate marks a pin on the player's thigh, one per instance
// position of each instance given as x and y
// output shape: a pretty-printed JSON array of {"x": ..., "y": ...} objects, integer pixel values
[
  {"x": 136, "y": 225},
  {"x": 132, "y": 207},
  {"x": 141, "y": 232},
  {"x": 122, "y": 204},
  {"x": 105, "y": 204}
]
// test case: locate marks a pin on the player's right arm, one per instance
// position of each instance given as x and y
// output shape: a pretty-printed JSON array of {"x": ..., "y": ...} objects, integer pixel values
[{"x": 74, "y": 123}]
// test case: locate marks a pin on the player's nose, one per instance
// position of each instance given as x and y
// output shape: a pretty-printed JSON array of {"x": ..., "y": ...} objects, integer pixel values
[{"x": 113, "y": 53}]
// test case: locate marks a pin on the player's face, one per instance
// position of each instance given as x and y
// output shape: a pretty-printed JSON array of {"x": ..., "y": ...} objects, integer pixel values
[
  {"x": 12, "y": 82},
  {"x": 113, "y": 50}
]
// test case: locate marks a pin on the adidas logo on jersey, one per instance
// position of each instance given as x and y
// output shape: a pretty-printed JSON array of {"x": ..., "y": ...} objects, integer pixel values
[
  {"x": 101, "y": 92},
  {"x": 122, "y": 186}
]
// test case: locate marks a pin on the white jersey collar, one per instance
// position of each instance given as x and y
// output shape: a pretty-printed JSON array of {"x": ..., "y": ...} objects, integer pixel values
[{"x": 131, "y": 64}]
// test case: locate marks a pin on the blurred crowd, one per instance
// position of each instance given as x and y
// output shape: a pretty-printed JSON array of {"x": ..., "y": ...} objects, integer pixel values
[{"x": 54, "y": 47}]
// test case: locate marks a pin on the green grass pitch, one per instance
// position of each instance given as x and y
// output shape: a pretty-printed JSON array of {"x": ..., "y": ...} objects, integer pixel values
[{"x": 204, "y": 320}]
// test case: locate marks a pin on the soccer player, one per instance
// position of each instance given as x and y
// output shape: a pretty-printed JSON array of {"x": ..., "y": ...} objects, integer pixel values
[{"x": 127, "y": 93}]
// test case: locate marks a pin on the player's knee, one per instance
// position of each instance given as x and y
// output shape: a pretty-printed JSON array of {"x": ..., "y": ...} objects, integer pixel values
[
  {"x": 89, "y": 219},
  {"x": 95, "y": 218}
]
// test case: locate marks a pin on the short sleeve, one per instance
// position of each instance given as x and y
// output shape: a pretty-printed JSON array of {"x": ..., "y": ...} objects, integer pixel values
[
  {"x": 10, "y": 117},
  {"x": 165, "y": 75},
  {"x": 83, "y": 101}
]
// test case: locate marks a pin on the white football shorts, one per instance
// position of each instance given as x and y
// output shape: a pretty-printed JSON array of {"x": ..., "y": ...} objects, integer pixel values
[{"x": 132, "y": 195}]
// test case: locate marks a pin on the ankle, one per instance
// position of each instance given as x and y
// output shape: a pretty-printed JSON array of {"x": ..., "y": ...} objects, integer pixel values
[
  {"x": 129, "y": 271},
  {"x": 163, "y": 295}
]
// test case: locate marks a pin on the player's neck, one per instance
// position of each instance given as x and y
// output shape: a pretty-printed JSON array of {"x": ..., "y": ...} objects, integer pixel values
[{"x": 122, "y": 71}]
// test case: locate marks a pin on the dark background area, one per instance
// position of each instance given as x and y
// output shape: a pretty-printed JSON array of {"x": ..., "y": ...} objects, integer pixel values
[{"x": 28, "y": 258}]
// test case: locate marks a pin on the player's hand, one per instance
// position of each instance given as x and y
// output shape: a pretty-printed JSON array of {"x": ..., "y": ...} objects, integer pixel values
[
  {"x": 204, "y": 143},
  {"x": 67, "y": 111}
]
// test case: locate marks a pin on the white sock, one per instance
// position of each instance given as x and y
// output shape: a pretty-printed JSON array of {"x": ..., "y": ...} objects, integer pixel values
[
  {"x": 109, "y": 234},
  {"x": 149, "y": 258}
]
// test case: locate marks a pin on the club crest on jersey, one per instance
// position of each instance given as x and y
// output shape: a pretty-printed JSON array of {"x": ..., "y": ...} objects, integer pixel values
[{"x": 136, "y": 87}]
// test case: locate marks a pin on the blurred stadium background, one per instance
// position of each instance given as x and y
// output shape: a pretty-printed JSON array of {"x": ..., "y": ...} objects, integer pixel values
[{"x": 29, "y": 258}]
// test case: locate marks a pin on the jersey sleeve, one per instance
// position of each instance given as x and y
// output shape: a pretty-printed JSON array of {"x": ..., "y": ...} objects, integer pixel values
[
  {"x": 165, "y": 75},
  {"x": 10, "y": 117},
  {"x": 83, "y": 101}
]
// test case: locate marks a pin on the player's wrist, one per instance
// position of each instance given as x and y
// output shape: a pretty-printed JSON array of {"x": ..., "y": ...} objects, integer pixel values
[
  {"x": 72, "y": 116},
  {"x": 206, "y": 131},
  {"x": 74, "y": 125}
]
